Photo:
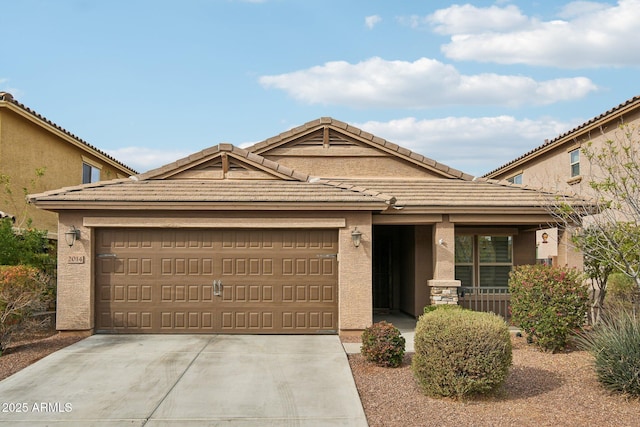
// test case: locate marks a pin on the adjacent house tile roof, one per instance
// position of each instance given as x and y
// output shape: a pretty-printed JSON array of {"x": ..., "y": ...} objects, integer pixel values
[
  {"x": 8, "y": 98},
  {"x": 372, "y": 140},
  {"x": 625, "y": 107}
]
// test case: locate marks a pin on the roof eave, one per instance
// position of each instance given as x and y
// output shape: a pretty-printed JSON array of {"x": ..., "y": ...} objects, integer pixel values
[{"x": 65, "y": 205}]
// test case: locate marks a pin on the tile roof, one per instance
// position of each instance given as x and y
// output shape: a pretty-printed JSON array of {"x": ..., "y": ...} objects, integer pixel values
[
  {"x": 451, "y": 193},
  {"x": 264, "y": 146},
  {"x": 7, "y": 97},
  {"x": 257, "y": 193},
  {"x": 436, "y": 194},
  {"x": 629, "y": 104}
]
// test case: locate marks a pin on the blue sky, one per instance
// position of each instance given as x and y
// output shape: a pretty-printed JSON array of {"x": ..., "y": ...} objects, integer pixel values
[{"x": 472, "y": 85}]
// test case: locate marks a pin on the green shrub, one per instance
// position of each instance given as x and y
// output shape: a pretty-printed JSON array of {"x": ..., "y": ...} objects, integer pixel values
[
  {"x": 383, "y": 345},
  {"x": 23, "y": 290},
  {"x": 615, "y": 346},
  {"x": 430, "y": 308},
  {"x": 25, "y": 247},
  {"x": 548, "y": 303},
  {"x": 460, "y": 352},
  {"x": 621, "y": 291}
]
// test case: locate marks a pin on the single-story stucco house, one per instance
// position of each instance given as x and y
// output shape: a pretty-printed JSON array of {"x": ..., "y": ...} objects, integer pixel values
[{"x": 310, "y": 231}]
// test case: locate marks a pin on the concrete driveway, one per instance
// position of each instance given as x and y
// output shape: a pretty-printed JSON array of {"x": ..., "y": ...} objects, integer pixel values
[{"x": 187, "y": 380}]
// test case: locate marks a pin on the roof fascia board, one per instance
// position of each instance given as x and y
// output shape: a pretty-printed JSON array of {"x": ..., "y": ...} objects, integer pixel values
[{"x": 68, "y": 138}]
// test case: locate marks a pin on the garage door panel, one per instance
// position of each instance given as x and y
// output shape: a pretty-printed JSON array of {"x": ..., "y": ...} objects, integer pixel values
[{"x": 273, "y": 281}]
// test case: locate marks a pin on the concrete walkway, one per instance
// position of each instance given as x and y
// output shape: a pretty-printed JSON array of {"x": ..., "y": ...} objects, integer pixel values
[
  {"x": 406, "y": 325},
  {"x": 187, "y": 380}
]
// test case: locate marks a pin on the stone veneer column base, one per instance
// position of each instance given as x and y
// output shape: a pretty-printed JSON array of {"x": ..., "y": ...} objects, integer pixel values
[{"x": 443, "y": 292}]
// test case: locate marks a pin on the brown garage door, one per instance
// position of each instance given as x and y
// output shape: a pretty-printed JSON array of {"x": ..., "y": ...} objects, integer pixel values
[{"x": 216, "y": 281}]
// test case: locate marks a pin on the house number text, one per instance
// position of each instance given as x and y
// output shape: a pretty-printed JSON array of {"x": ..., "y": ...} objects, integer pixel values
[{"x": 76, "y": 259}]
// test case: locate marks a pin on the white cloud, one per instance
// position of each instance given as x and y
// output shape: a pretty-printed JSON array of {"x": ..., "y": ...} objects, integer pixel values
[
  {"x": 413, "y": 21},
  {"x": 143, "y": 159},
  {"x": 371, "y": 21},
  {"x": 470, "y": 19},
  {"x": 578, "y": 8},
  {"x": 591, "y": 35},
  {"x": 473, "y": 145},
  {"x": 419, "y": 84}
]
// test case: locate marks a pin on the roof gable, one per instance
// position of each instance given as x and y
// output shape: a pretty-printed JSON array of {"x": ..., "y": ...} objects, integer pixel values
[
  {"x": 224, "y": 161},
  {"x": 327, "y": 138}
]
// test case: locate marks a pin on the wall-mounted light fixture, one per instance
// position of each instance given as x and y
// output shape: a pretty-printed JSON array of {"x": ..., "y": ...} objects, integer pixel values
[
  {"x": 71, "y": 235},
  {"x": 441, "y": 242},
  {"x": 356, "y": 237}
]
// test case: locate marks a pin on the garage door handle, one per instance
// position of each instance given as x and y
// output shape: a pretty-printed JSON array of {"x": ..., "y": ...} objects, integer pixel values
[{"x": 217, "y": 287}]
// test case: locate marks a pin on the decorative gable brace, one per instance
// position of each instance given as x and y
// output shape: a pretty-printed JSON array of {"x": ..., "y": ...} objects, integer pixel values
[
  {"x": 329, "y": 137},
  {"x": 224, "y": 161}
]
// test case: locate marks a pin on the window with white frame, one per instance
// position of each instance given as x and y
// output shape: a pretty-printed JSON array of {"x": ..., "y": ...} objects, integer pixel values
[
  {"x": 483, "y": 260},
  {"x": 90, "y": 173},
  {"x": 516, "y": 179},
  {"x": 575, "y": 162}
]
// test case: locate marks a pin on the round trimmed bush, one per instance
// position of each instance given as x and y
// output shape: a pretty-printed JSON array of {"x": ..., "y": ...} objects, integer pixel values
[
  {"x": 460, "y": 352},
  {"x": 383, "y": 345}
]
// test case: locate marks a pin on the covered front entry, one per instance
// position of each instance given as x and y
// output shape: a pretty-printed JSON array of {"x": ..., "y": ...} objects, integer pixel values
[
  {"x": 401, "y": 267},
  {"x": 261, "y": 281}
]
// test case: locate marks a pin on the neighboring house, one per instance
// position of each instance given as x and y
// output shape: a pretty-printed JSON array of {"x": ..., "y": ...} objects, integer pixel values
[
  {"x": 560, "y": 165},
  {"x": 310, "y": 231},
  {"x": 38, "y": 155}
]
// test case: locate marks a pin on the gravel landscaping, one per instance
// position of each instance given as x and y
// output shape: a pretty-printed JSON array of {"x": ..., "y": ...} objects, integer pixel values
[{"x": 542, "y": 390}]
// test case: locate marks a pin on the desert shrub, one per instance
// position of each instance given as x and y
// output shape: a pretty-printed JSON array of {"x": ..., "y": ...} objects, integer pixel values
[
  {"x": 24, "y": 247},
  {"x": 615, "y": 346},
  {"x": 621, "y": 291},
  {"x": 460, "y": 352},
  {"x": 430, "y": 308},
  {"x": 383, "y": 345},
  {"x": 548, "y": 303},
  {"x": 23, "y": 291}
]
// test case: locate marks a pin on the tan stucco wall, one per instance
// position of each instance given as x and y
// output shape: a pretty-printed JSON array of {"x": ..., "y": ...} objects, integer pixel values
[
  {"x": 355, "y": 276},
  {"x": 75, "y": 305},
  {"x": 444, "y": 250},
  {"x": 353, "y": 167},
  {"x": 26, "y": 146},
  {"x": 552, "y": 170},
  {"x": 76, "y": 281}
]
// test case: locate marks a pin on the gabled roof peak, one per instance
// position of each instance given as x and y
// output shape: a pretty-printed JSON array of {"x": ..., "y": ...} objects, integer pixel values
[
  {"x": 224, "y": 151},
  {"x": 362, "y": 136}
]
